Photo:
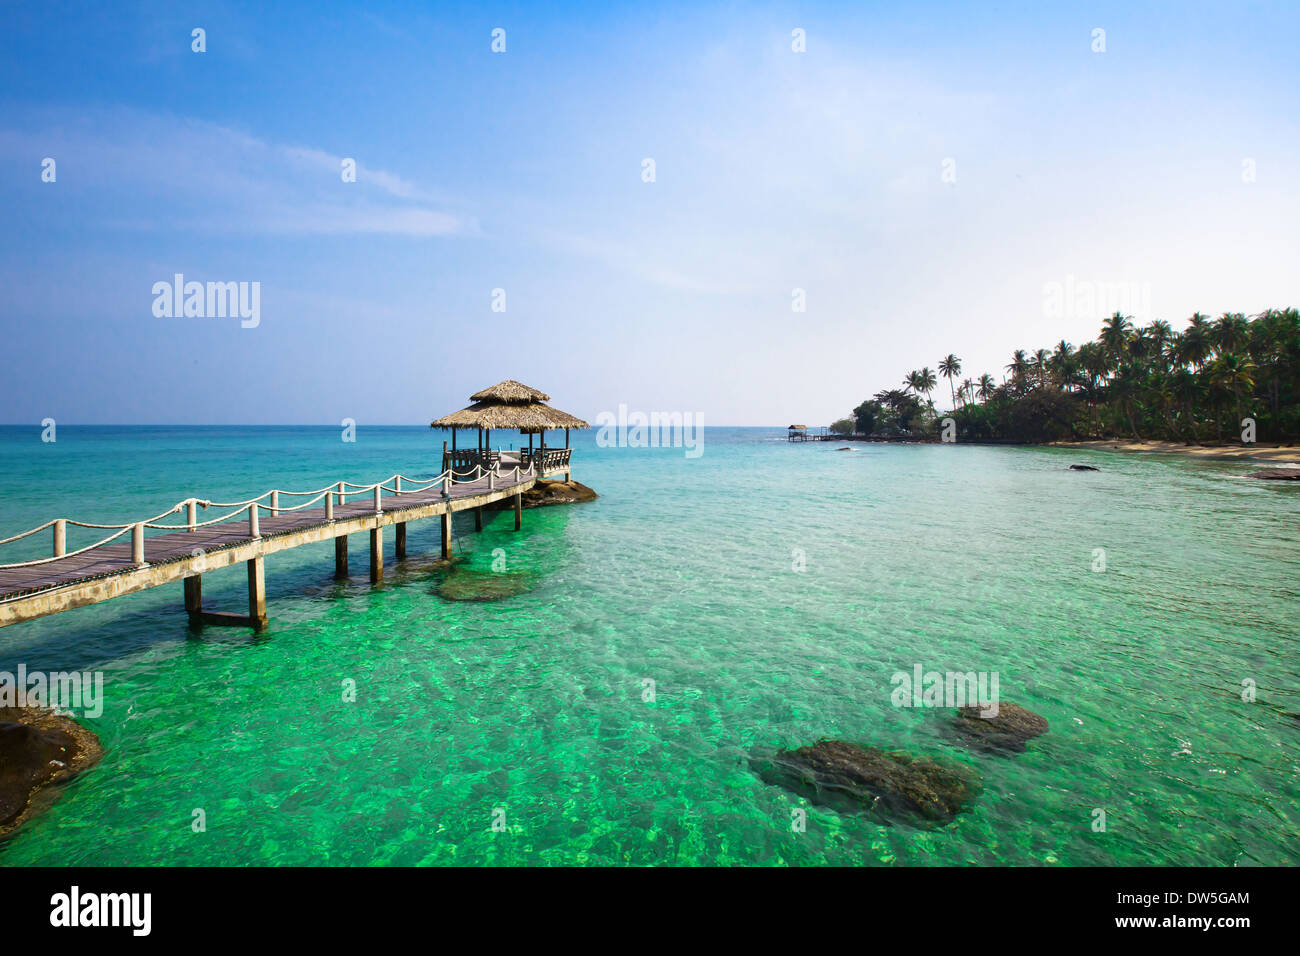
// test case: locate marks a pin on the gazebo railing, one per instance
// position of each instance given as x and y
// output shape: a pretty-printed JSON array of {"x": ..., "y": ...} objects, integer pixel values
[{"x": 552, "y": 459}]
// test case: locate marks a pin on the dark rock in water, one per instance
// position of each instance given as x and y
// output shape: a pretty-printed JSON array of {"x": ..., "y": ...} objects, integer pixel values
[
  {"x": 38, "y": 749},
  {"x": 1007, "y": 732},
  {"x": 892, "y": 784},
  {"x": 546, "y": 493},
  {"x": 466, "y": 584},
  {"x": 1276, "y": 474},
  {"x": 846, "y": 448},
  {"x": 1083, "y": 468}
]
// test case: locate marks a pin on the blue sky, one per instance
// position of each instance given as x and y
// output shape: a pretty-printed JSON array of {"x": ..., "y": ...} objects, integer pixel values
[{"x": 775, "y": 171}]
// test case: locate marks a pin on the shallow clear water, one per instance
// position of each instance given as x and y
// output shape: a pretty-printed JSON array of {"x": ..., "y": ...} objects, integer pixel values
[{"x": 956, "y": 558}]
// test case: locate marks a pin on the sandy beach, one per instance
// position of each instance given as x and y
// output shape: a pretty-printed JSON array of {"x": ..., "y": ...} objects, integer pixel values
[{"x": 1273, "y": 453}]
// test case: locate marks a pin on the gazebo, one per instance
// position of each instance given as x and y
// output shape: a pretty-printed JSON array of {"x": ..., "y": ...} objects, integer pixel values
[
  {"x": 515, "y": 406},
  {"x": 797, "y": 433}
]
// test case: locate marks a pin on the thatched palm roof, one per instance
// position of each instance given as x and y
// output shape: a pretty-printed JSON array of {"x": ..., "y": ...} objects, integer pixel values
[
  {"x": 512, "y": 405},
  {"x": 798, "y": 428},
  {"x": 532, "y": 417},
  {"x": 510, "y": 392}
]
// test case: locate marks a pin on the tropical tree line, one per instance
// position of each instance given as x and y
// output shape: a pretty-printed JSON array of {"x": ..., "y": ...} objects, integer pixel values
[{"x": 1151, "y": 382}]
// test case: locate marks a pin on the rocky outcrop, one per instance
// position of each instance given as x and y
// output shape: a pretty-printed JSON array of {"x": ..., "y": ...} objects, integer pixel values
[
  {"x": 891, "y": 784},
  {"x": 546, "y": 493},
  {"x": 39, "y": 749},
  {"x": 1276, "y": 474},
  {"x": 467, "y": 584},
  {"x": 1083, "y": 468},
  {"x": 1006, "y": 733}
]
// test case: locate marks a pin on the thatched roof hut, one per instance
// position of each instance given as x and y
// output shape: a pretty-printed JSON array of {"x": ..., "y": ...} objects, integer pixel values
[
  {"x": 526, "y": 417},
  {"x": 512, "y": 405},
  {"x": 510, "y": 392}
]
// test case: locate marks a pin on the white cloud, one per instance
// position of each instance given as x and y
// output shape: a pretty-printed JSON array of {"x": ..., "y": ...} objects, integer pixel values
[{"x": 193, "y": 174}]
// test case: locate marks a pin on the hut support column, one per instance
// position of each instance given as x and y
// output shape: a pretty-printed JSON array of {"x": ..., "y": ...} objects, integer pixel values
[
  {"x": 194, "y": 596},
  {"x": 519, "y": 510},
  {"x": 257, "y": 594},
  {"x": 566, "y": 447},
  {"x": 446, "y": 535},
  {"x": 376, "y": 554},
  {"x": 399, "y": 544},
  {"x": 341, "y": 557}
]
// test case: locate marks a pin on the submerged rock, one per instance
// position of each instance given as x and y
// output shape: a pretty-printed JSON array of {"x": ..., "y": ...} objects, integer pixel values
[
  {"x": 1007, "y": 732},
  {"x": 892, "y": 784},
  {"x": 1083, "y": 468},
  {"x": 467, "y": 584},
  {"x": 38, "y": 749},
  {"x": 1276, "y": 474}
]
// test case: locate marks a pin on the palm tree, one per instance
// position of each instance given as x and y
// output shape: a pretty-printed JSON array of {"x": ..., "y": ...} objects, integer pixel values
[
  {"x": 1233, "y": 373},
  {"x": 950, "y": 368},
  {"x": 1161, "y": 334},
  {"x": 1063, "y": 363},
  {"x": 1149, "y": 381},
  {"x": 1194, "y": 345},
  {"x": 1230, "y": 332},
  {"x": 1041, "y": 358},
  {"x": 926, "y": 382},
  {"x": 1115, "y": 333},
  {"x": 1018, "y": 367}
]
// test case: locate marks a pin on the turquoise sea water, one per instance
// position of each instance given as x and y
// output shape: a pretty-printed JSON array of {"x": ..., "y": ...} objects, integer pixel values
[{"x": 952, "y": 557}]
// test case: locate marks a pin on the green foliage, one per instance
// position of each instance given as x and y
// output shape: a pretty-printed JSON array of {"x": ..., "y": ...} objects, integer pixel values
[{"x": 1150, "y": 382}]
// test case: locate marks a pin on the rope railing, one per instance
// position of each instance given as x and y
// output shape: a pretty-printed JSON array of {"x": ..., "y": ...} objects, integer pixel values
[{"x": 397, "y": 484}]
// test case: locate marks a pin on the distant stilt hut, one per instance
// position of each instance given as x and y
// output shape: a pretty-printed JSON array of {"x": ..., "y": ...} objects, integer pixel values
[
  {"x": 797, "y": 433},
  {"x": 515, "y": 406}
]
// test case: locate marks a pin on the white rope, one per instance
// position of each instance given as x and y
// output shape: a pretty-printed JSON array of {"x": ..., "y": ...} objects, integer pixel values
[{"x": 477, "y": 473}]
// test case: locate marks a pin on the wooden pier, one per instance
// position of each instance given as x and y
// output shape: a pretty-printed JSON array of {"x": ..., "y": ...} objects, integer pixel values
[{"x": 254, "y": 529}]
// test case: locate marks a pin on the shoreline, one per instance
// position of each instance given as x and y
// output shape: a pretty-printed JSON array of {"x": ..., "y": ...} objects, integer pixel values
[{"x": 1275, "y": 453}]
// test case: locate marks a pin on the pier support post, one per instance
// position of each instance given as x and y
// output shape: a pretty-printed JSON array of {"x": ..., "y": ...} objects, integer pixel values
[
  {"x": 376, "y": 554},
  {"x": 399, "y": 542},
  {"x": 60, "y": 537},
  {"x": 137, "y": 544},
  {"x": 446, "y": 535},
  {"x": 257, "y": 594},
  {"x": 341, "y": 557},
  {"x": 194, "y": 596},
  {"x": 519, "y": 510},
  {"x": 478, "y": 518}
]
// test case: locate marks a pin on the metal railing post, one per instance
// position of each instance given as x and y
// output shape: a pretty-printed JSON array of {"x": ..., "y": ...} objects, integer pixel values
[
  {"x": 60, "y": 537},
  {"x": 329, "y": 506},
  {"x": 191, "y": 514},
  {"x": 379, "y": 500},
  {"x": 275, "y": 503},
  {"x": 253, "y": 529},
  {"x": 137, "y": 543}
]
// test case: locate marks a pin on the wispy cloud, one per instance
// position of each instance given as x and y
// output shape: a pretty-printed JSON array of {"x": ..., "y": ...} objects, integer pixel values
[{"x": 196, "y": 175}]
